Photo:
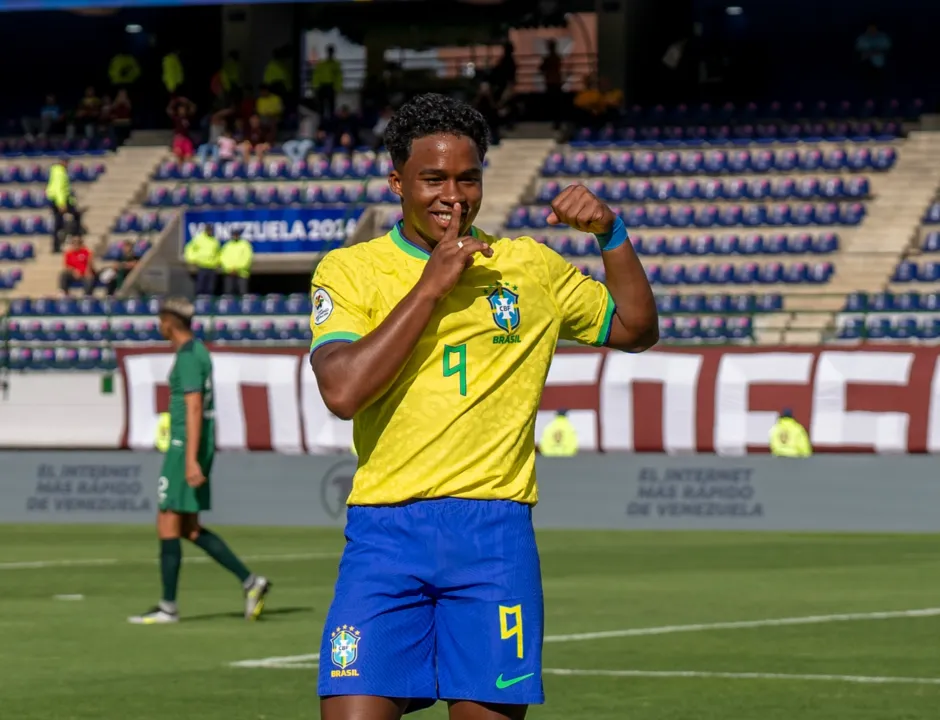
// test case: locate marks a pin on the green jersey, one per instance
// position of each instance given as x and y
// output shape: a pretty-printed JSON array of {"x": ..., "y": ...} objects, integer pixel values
[{"x": 192, "y": 372}]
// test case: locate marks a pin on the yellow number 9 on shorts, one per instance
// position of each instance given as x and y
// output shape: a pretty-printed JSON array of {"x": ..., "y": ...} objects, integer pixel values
[{"x": 507, "y": 631}]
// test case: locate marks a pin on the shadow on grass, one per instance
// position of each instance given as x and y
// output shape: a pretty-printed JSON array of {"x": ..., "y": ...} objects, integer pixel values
[{"x": 271, "y": 614}]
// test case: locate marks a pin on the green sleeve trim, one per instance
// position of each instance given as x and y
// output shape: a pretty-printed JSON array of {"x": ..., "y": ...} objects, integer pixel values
[
  {"x": 334, "y": 337},
  {"x": 604, "y": 335}
]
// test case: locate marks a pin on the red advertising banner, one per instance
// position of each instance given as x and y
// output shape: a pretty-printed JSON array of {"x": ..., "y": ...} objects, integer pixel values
[{"x": 675, "y": 400}]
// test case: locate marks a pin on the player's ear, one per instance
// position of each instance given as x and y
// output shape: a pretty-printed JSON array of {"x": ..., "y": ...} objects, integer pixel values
[{"x": 394, "y": 182}]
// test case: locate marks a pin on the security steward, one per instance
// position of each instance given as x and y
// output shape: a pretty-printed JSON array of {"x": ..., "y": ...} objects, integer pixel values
[
  {"x": 559, "y": 439},
  {"x": 788, "y": 438},
  {"x": 202, "y": 256}
]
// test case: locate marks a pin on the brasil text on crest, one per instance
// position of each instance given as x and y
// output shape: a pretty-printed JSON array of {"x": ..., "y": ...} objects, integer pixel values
[
  {"x": 344, "y": 650},
  {"x": 504, "y": 306}
]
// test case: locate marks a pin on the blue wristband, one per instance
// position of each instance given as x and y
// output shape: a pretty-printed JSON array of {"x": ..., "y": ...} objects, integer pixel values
[{"x": 615, "y": 238}]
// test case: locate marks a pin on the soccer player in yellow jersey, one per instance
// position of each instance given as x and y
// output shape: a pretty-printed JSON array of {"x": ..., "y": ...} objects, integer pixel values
[{"x": 436, "y": 339}]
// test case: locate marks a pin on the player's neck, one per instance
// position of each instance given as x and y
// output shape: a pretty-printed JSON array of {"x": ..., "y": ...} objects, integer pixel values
[
  {"x": 180, "y": 338},
  {"x": 415, "y": 238}
]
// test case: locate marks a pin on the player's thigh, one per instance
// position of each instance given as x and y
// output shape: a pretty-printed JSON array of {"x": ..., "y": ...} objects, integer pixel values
[
  {"x": 189, "y": 526},
  {"x": 469, "y": 710},
  {"x": 361, "y": 707},
  {"x": 378, "y": 639},
  {"x": 169, "y": 525},
  {"x": 490, "y": 622}
]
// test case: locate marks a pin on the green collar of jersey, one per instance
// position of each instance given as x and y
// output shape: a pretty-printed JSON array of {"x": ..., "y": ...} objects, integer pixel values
[{"x": 409, "y": 248}]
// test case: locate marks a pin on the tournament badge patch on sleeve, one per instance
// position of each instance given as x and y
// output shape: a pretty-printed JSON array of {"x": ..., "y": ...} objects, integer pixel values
[
  {"x": 322, "y": 306},
  {"x": 344, "y": 650}
]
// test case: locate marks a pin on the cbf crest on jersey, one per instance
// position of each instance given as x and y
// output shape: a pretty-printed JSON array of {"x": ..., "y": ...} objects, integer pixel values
[
  {"x": 344, "y": 650},
  {"x": 504, "y": 304}
]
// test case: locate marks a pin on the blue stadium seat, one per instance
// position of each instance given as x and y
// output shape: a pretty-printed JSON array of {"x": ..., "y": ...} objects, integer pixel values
[
  {"x": 723, "y": 274},
  {"x": 856, "y": 302},
  {"x": 826, "y": 243},
  {"x": 850, "y": 328},
  {"x": 881, "y": 302},
  {"x": 799, "y": 244},
  {"x": 907, "y": 302},
  {"x": 878, "y": 328},
  {"x": 727, "y": 245},
  {"x": 928, "y": 272}
]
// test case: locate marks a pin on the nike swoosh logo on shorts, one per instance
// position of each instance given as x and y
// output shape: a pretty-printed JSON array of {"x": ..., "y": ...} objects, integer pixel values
[{"x": 503, "y": 684}]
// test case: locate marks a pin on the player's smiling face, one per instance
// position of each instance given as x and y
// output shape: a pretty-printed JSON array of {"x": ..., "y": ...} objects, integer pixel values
[{"x": 441, "y": 171}]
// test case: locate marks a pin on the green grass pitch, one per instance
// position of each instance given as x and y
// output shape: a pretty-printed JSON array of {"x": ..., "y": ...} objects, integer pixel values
[{"x": 64, "y": 658}]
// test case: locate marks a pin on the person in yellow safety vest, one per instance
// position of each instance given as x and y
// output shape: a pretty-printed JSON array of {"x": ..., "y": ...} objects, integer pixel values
[
  {"x": 235, "y": 260},
  {"x": 278, "y": 74},
  {"x": 788, "y": 438},
  {"x": 162, "y": 441},
  {"x": 202, "y": 255},
  {"x": 231, "y": 74},
  {"x": 173, "y": 75},
  {"x": 327, "y": 82},
  {"x": 123, "y": 71},
  {"x": 59, "y": 195},
  {"x": 559, "y": 439}
]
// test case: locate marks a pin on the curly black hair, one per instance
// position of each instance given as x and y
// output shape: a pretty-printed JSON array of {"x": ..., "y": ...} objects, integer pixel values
[{"x": 433, "y": 114}]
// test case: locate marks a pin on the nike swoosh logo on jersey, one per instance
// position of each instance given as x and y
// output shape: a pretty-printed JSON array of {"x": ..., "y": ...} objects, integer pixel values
[{"x": 503, "y": 684}]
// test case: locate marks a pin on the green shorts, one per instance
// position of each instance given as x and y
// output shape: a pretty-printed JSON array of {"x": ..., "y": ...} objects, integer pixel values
[{"x": 173, "y": 493}]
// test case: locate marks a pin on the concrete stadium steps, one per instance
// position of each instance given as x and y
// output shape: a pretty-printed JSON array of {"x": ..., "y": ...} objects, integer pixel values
[
  {"x": 122, "y": 183},
  {"x": 513, "y": 166}
]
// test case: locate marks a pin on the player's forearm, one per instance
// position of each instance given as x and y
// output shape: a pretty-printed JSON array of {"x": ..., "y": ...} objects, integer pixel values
[
  {"x": 193, "y": 426},
  {"x": 351, "y": 376},
  {"x": 638, "y": 328}
]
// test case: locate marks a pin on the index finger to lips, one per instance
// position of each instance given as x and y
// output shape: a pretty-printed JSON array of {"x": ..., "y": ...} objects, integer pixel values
[{"x": 453, "y": 229}]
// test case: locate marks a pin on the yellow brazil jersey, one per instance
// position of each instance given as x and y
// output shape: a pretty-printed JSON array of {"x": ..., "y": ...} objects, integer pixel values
[{"x": 459, "y": 421}]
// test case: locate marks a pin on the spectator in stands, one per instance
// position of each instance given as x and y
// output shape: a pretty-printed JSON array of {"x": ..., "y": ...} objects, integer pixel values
[
  {"x": 377, "y": 135},
  {"x": 231, "y": 76},
  {"x": 300, "y": 146},
  {"x": 328, "y": 82},
  {"x": 503, "y": 73},
  {"x": 873, "y": 46},
  {"x": 235, "y": 260},
  {"x": 221, "y": 144},
  {"x": 121, "y": 117},
  {"x": 485, "y": 104},
  {"x": 202, "y": 257},
  {"x": 269, "y": 108},
  {"x": 77, "y": 267},
  {"x": 49, "y": 121},
  {"x": 123, "y": 267},
  {"x": 339, "y": 132},
  {"x": 64, "y": 208},
  {"x": 88, "y": 113},
  {"x": 183, "y": 147},
  {"x": 255, "y": 140},
  {"x": 554, "y": 82},
  {"x": 598, "y": 103},
  {"x": 279, "y": 74}
]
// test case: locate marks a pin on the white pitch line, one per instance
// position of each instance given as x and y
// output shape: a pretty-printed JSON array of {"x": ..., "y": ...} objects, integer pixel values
[
  {"x": 862, "y": 679},
  {"x": 302, "y": 661},
  {"x": 95, "y": 562},
  {"x": 744, "y": 624},
  {"x": 290, "y": 661}
]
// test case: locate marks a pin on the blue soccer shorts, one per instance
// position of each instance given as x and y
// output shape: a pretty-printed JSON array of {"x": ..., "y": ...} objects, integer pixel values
[{"x": 437, "y": 599}]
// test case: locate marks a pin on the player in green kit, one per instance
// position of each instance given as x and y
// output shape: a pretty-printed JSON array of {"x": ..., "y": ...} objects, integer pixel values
[{"x": 184, "y": 488}]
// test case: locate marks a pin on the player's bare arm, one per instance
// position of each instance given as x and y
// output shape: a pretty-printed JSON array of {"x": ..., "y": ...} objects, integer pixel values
[
  {"x": 194, "y": 474},
  {"x": 635, "y": 325},
  {"x": 351, "y": 376}
]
